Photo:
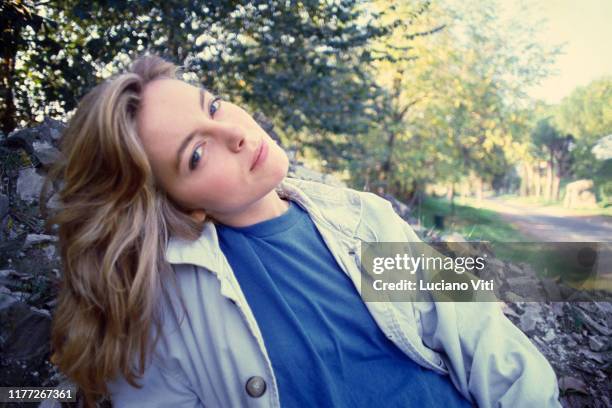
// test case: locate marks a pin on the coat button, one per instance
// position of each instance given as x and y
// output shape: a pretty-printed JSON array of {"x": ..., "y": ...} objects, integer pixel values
[{"x": 255, "y": 386}]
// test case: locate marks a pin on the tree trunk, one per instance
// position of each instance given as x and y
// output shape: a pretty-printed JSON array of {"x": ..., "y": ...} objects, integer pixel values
[
  {"x": 450, "y": 191},
  {"x": 479, "y": 188},
  {"x": 172, "y": 43},
  {"x": 556, "y": 180},
  {"x": 556, "y": 183},
  {"x": 548, "y": 190},
  {"x": 451, "y": 194},
  {"x": 8, "y": 112},
  {"x": 388, "y": 163},
  {"x": 524, "y": 188},
  {"x": 537, "y": 179},
  {"x": 396, "y": 187},
  {"x": 366, "y": 183},
  {"x": 529, "y": 170}
]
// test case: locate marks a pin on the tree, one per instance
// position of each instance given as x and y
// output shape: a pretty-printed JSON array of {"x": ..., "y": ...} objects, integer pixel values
[
  {"x": 555, "y": 146},
  {"x": 463, "y": 92},
  {"x": 586, "y": 115}
]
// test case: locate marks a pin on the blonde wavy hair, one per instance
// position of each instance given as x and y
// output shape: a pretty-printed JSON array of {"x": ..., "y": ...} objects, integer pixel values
[{"x": 113, "y": 223}]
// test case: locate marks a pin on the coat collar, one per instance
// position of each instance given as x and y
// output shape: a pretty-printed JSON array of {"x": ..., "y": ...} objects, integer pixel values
[{"x": 338, "y": 208}]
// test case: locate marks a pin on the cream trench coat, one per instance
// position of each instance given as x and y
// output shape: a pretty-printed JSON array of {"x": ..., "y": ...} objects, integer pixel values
[{"x": 216, "y": 357}]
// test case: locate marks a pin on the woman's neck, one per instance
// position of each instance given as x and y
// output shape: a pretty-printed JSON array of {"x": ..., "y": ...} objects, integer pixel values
[{"x": 268, "y": 207}]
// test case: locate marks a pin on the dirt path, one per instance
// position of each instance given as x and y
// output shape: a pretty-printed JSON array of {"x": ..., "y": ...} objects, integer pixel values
[{"x": 552, "y": 224}]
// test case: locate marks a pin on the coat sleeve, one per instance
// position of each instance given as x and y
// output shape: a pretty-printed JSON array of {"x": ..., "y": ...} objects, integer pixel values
[
  {"x": 160, "y": 388},
  {"x": 488, "y": 358}
]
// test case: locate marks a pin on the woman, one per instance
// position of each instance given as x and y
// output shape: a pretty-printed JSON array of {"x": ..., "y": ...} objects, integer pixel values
[{"x": 197, "y": 274}]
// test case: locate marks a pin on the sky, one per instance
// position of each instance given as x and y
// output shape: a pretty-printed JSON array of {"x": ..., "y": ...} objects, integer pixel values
[{"x": 586, "y": 26}]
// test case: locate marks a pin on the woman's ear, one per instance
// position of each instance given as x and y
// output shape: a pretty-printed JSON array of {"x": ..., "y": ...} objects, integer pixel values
[{"x": 198, "y": 215}]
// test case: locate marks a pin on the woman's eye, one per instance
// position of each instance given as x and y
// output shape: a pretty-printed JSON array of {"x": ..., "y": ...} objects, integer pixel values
[
  {"x": 195, "y": 158},
  {"x": 214, "y": 106}
]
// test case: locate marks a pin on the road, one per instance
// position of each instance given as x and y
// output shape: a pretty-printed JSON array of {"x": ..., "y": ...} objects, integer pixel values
[
  {"x": 557, "y": 224},
  {"x": 552, "y": 224}
]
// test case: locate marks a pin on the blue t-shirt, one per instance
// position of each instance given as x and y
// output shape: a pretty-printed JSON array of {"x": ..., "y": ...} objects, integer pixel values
[{"x": 326, "y": 350}]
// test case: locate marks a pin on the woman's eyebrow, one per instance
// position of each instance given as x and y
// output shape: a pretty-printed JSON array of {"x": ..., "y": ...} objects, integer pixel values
[{"x": 190, "y": 136}]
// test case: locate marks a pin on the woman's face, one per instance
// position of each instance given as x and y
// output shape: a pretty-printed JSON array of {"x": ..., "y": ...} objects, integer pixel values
[{"x": 203, "y": 149}]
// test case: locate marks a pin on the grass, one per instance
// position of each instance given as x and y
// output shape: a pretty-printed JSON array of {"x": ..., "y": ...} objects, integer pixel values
[{"x": 475, "y": 224}]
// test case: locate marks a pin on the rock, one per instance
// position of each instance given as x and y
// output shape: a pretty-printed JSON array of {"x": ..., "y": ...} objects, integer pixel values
[
  {"x": 30, "y": 336},
  {"x": 4, "y": 279},
  {"x": 527, "y": 287},
  {"x": 7, "y": 300},
  {"x": 54, "y": 202},
  {"x": 51, "y": 304},
  {"x": 25, "y": 347},
  {"x": 50, "y": 252},
  {"x": 34, "y": 239},
  {"x": 508, "y": 311},
  {"x": 549, "y": 336},
  {"x": 570, "y": 343},
  {"x": 29, "y": 184},
  {"x": 46, "y": 153},
  {"x": 21, "y": 139},
  {"x": 529, "y": 320},
  {"x": 551, "y": 288},
  {"x": 597, "y": 357},
  {"x": 458, "y": 245},
  {"x": 513, "y": 297},
  {"x": 49, "y": 131},
  {"x": 592, "y": 324},
  {"x": 52, "y": 129},
  {"x": 495, "y": 264},
  {"x": 557, "y": 308},
  {"x": 596, "y": 343},
  {"x": 41, "y": 311},
  {"x": 4, "y": 205},
  {"x": 604, "y": 309},
  {"x": 578, "y": 194},
  {"x": 572, "y": 384},
  {"x": 9, "y": 315},
  {"x": 513, "y": 270}
]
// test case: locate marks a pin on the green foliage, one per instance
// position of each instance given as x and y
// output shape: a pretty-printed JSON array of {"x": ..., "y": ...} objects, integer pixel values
[
  {"x": 300, "y": 63},
  {"x": 586, "y": 114}
]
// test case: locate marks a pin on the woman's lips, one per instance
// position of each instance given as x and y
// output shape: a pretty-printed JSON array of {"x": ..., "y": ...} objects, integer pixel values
[{"x": 262, "y": 153}]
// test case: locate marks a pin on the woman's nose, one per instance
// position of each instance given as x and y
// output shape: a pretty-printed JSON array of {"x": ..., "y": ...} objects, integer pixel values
[{"x": 234, "y": 136}]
